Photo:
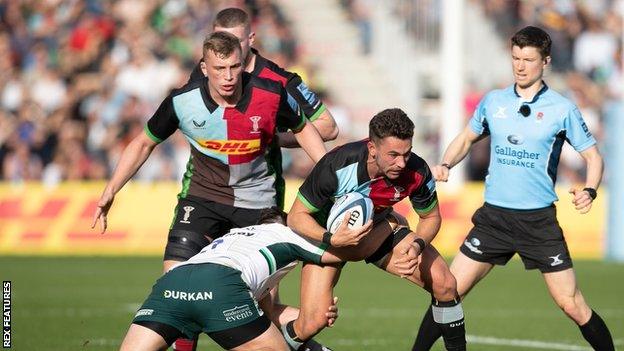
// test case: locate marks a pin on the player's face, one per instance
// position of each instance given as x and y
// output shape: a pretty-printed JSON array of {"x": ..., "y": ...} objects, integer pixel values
[
  {"x": 224, "y": 73},
  {"x": 390, "y": 155},
  {"x": 528, "y": 65},
  {"x": 245, "y": 36}
]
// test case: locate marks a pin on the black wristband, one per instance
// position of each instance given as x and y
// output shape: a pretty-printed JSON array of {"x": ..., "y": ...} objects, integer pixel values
[
  {"x": 420, "y": 243},
  {"x": 592, "y": 192},
  {"x": 327, "y": 238},
  {"x": 446, "y": 165}
]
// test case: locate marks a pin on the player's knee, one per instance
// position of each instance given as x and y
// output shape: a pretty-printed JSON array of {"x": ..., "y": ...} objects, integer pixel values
[
  {"x": 571, "y": 308},
  {"x": 444, "y": 286},
  {"x": 184, "y": 244}
]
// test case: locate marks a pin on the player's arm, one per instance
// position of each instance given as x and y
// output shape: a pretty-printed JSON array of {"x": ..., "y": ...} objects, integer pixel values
[
  {"x": 456, "y": 152},
  {"x": 582, "y": 140},
  {"x": 310, "y": 141},
  {"x": 159, "y": 127},
  {"x": 312, "y": 107},
  {"x": 324, "y": 124},
  {"x": 305, "y": 134},
  {"x": 582, "y": 199}
]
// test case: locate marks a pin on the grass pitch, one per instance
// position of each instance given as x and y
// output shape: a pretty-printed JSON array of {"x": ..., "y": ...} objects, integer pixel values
[{"x": 67, "y": 303}]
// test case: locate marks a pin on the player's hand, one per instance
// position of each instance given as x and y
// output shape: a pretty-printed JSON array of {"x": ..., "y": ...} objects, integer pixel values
[
  {"x": 405, "y": 258},
  {"x": 332, "y": 312},
  {"x": 440, "y": 173},
  {"x": 345, "y": 236},
  {"x": 104, "y": 204},
  {"x": 582, "y": 200}
]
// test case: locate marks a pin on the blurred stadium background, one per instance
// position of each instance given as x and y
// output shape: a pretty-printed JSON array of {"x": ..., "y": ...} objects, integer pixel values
[{"x": 80, "y": 78}]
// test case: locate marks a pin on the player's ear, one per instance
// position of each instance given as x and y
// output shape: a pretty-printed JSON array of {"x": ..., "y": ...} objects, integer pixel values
[
  {"x": 203, "y": 67},
  {"x": 252, "y": 38},
  {"x": 547, "y": 60},
  {"x": 372, "y": 151}
]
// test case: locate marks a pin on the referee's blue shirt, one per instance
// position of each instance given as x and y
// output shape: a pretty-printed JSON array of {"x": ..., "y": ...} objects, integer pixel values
[{"x": 525, "y": 150}]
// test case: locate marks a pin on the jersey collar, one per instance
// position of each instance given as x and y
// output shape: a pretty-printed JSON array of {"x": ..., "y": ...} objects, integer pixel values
[
  {"x": 241, "y": 105},
  {"x": 259, "y": 64},
  {"x": 540, "y": 92}
]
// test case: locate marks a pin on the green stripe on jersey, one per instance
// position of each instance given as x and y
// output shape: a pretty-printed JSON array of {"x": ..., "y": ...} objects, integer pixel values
[
  {"x": 268, "y": 256},
  {"x": 317, "y": 113},
  {"x": 427, "y": 209},
  {"x": 186, "y": 180},
  {"x": 152, "y": 136},
  {"x": 307, "y": 203}
]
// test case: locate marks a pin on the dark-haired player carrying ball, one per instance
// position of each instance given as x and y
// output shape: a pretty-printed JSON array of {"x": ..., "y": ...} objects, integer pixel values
[{"x": 385, "y": 169}]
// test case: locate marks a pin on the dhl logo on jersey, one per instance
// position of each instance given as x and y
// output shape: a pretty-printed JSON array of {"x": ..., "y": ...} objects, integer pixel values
[{"x": 232, "y": 147}]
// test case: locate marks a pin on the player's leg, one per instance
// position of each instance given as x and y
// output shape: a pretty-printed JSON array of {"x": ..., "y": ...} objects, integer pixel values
[
  {"x": 542, "y": 246},
  {"x": 140, "y": 338},
  {"x": 195, "y": 224},
  {"x": 317, "y": 283},
  {"x": 486, "y": 245},
  {"x": 564, "y": 290}
]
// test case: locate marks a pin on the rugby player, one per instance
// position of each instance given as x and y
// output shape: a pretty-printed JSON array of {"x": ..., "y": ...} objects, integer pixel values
[
  {"x": 230, "y": 119},
  {"x": 385, "y": 169}
]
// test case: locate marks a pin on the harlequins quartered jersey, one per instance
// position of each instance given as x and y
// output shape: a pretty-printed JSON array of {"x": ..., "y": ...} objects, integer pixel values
[
  {"x": 228, "y": 162},
  {"x": 263, "y": 254},
  {"x": 300, "y": 98},
  {"x": 343, "y": 170},
  {"x": 525, "y": 150}
]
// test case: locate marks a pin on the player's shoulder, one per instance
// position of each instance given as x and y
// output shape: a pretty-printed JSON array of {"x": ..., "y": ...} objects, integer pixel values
[
  {"x": 266, "y": 84},
  {"x": 559, "y": 100},
  {"x": 271, "y": 69},
  {"x": 501, "y": 93},
  {"x": 189, "y": 86},
  {"x": 346, "y": 154}
]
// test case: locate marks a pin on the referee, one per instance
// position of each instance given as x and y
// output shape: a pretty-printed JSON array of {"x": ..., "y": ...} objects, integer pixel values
[{"x": 527, "y": 123}]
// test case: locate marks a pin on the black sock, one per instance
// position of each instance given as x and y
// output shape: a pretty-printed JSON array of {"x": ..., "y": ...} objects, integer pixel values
[
  {"x": 449, "y": 315},
  {"x": 313, "y": 345},
  {"x": 428, "y": 332},
  {"x": 597, "y": 334}
]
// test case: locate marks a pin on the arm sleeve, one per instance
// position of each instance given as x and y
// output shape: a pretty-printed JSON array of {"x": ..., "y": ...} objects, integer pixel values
[
  {"x": 287, "y": 117},
  {"x": 163, "y": 123},
  {"x": 424, "y": 197},
  {"x": 478, "y": 122},
  {"x": 320, "y": 185},
  {"x": 577, "y": 133},
  {"x": 302, "y": 96}
]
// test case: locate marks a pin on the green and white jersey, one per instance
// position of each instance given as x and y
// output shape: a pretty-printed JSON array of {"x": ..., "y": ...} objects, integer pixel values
[{"x": 262, "y": 253}]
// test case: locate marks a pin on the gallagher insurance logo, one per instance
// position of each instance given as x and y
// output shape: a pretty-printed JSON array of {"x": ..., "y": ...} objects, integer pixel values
[{"x": 515, "y": 139}]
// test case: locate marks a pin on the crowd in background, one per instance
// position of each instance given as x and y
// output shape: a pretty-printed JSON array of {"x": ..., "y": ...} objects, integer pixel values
[{"x": 79, "y": 79}]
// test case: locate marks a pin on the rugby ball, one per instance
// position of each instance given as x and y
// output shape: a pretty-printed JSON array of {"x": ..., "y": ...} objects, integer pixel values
[{"x": 360, "y": 206}]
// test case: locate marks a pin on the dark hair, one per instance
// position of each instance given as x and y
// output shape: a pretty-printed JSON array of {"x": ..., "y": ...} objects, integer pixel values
[
  {"x": 272, "y": 215},
  {"x": 533, "y": 37},
  {"x": 222, "y": 44},
  {"x": 231, "y": 17},
  {"x": 390, "y": 122}
]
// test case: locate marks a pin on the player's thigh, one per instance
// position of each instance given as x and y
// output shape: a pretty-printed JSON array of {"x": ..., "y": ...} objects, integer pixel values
[
  {"x": 140, "y": 338},
  {"x": 561, "y": 285},
  {"x": 196, "y": 223},
  {"x": 468, "y": 272},
  {"x": 269, "y": 340}
]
